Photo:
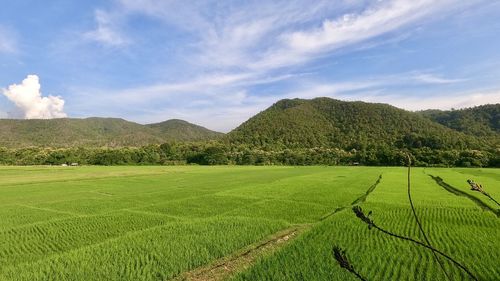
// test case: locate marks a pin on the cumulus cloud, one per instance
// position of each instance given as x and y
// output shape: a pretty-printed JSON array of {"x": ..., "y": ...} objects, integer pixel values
[{"x": 28, "y": 98}]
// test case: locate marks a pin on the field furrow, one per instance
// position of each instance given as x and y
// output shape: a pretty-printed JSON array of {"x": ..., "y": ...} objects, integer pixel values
[{"x": 218, "y": 223}]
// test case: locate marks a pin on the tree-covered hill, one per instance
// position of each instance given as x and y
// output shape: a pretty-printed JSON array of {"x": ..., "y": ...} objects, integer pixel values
[
  {"x": 320, "y": 131},
  {"x": 479, "y": 121},
  {"x": 95, "y": 132},
  {"x": 325, "y": 122},
  {"x": 184, "y": 131}
]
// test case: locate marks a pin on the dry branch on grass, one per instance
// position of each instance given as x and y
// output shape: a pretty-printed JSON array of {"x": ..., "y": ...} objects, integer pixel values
[
  {"x": 417, "y": 220},
  {"x": 371, "y": 224},
  {"x": 479, "y": 188},
  {"x": 341, "y": 257},
  {"x": 343, "y": 261}
]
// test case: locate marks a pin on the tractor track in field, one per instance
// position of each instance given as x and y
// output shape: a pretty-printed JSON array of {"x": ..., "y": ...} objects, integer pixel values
[
  {"x": 370, "y": 190},
  {"x": 332, "y": 213},
  {"x": 358, "y": 200},
  {"x": 227, "y": 266},
  {"x": 459, "y": 192}
]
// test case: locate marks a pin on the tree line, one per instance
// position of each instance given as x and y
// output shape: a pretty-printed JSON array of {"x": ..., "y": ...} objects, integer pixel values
[{"x": 223, "y": 153}]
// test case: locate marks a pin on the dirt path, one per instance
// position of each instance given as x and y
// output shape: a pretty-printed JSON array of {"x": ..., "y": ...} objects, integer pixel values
[{"x": 228, "y": 266}]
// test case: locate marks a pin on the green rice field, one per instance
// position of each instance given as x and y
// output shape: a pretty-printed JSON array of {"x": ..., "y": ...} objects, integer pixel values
[{"x": 243, "y": 223}]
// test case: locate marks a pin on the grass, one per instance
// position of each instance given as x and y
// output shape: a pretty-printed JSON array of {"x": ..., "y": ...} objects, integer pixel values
[
  {"x": 454, "y": 225},
  {"x": 158, "y": 223},
  {"x": 489, "y": 178}
]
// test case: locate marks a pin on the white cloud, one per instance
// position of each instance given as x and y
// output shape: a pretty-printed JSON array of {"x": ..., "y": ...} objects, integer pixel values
[
  {"x": 265, "y": 36},
  {"x": 434, "y": 79},
  {"x": 220, "y": 101},
  {"x": 224, "y": 113},
  {"x": 28, "y": 98},
  {"x": 355, "y": 27},
  {"x": 234, "y": 47},
  {"x": 383, "y": 17},
  {"x": 232, "y": 35},
  {"x": 213, "y": 86},
  {"x": 373, "y": 91},
  {"x": 106, "y": 32},
  {"x": 261, "y": 37},
  {"x": 444, "y": 102}
]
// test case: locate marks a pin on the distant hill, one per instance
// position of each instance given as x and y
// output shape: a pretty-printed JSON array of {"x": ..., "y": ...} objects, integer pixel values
[
  {"x": 325, "y": 122},
  {"x": 112, "y": 132},
  {"x": 287, "y": 124},
  {"x": 184, "y": 131},
  {"x": 478, "y": 121}
]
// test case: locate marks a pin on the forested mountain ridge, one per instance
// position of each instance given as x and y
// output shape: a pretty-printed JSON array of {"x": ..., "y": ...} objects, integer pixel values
[
  {"x": 96, "y": 132},
  {"x": 184, "y": 131},
  {"x": 321, "y": 131},
  {"x": 478, "y": 121},
  {"x": 326, "y": 122}
]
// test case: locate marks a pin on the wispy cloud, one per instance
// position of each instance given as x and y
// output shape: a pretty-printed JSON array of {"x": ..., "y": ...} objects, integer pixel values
[
  {"x": 213, "y": 86},
  {"x": 298, "y": 47},
  {"x": 229, "y": 51},
  {"x": 220, "y": 101},
  {"x": 8, "y": 41},
  {"x": 265, "y": 41},
  {"x": 445, "y": 102},
  {"x": 222, "y": 108},
  {"x": 264, "y": 37},
  {"x": 434, "y": 79},
  {"x": 106, "y": 31}
]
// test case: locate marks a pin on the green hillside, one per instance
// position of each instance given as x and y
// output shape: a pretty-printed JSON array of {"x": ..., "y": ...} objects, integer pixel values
[
  {"x": 479, "y": 121},
  {"x": 325, "y": 122},
  {"x": 183, "y": 131},
  {"x": 95, "y": 132}
]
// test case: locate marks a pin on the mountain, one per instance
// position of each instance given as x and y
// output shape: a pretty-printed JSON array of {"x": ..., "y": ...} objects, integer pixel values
[
  {"x": 325, "y": 122},
  {"x": 95, "y": 132},
  {"x": 289, "y": 123},
  {"x": 184, "y": 131},
  {"x": 479, "y": 121}
]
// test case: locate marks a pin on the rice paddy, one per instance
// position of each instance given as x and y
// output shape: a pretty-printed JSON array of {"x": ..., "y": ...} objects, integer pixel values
[{"x": 256, "y": 223}]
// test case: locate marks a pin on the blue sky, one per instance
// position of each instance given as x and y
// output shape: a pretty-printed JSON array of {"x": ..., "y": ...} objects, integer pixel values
[{"x": 217, "y": 63}]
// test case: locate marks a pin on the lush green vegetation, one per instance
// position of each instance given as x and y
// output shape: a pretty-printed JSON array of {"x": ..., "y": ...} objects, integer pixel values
[
  {"x": 325, "y": 122},
  {"x": 454, "y": 224},
  {"x": 181, "y": 130},
  {"x": 154, "y": 223},
  {"x": 479, "y": 121},
  {"x": 96, "y": 132},
  {"x": 320, "y": 131},
  {"x": 216, "y": 153}
]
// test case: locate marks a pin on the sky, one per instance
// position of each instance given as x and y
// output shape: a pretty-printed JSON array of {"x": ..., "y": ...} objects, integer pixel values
[{"x": 217, "y": 63}]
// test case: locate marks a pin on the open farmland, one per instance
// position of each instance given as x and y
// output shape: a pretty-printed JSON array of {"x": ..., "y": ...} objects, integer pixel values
[{"x": 241, "y": 223}]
